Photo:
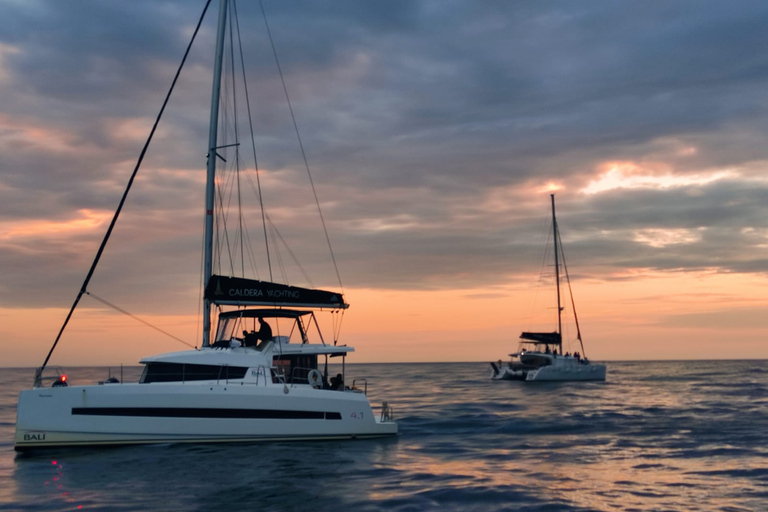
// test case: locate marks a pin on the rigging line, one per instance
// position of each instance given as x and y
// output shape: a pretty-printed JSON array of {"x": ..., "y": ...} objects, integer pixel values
[
  {"x": 252, "y": 260},
  {"x": 198, "y": 330},
  {"x": 125, "y": 195},
  {"x": 223, "y": 229},
  {"x": 573, "y": 301},
  {"x": 301, "y": 146},
  {"x": 228, "y": 178},
  {"x": 236, "y": 133},
  {"x": 248, "y": 247},
  {"x": 256, "y": 187},
  {"x": 279, "y": 256},
  {"x": 116, "y": 308},
  {"x": 290, "y": 252},
  {"x": 338, "y": 317},
  {"x": 241, "y": 219},
  {"x": 546, "y": 277},
  {"x": 542, "y": 241},
  {"x": 222, "y": 185},
  {"x": 253, "y": 141}
]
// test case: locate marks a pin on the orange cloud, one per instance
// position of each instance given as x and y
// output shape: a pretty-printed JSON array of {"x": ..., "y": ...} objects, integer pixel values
[
  {"x": 648, "y": 175},
  {"x": 663, "y": 237},
  {"x": 15, "y": 131},
  {"x": 89, "y": 221},
  {"x": 550, "y": 187}
]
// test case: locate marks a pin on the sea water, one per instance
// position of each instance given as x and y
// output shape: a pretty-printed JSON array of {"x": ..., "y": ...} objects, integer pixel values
[{"x": 657, "y": 436}]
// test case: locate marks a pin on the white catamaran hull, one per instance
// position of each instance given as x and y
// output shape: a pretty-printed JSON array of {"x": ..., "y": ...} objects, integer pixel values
[
  {"x": 115, "y": 414},
  {"x": 505, "y": 372},
  {"x": 567, "y": 373}
]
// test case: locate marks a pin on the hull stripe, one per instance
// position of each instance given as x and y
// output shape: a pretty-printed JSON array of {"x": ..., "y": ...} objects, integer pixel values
[{"x": 195, "y": 412}]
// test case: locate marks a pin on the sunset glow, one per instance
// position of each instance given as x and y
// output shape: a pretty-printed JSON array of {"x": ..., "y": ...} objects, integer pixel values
[
  {"x": 15, "y": 131},
  {"x": 630, "y": 175},
  {"x": 90, "y": 221}
]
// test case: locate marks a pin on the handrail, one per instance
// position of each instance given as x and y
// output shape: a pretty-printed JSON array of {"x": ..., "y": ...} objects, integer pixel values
[
  {"x": 387, "y": 413},
  {"x": 261, "y": 372},
  {"x": 39, "y": 375},
  {"x": 299, "y": 379},
  {"x": 365, "y": 382}
]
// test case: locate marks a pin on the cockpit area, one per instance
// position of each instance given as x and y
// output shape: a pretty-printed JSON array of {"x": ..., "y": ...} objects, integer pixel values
[{"x": 254, "y": 327}]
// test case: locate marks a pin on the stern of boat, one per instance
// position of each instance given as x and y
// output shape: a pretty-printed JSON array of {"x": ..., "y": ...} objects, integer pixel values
[{"x": 385, "y": 422}]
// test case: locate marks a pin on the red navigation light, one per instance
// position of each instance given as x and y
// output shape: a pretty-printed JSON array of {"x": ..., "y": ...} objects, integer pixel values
[{"x": 63, "y": 378}]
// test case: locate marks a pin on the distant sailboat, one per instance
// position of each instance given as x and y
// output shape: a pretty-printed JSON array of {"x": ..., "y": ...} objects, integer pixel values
[
  {"x": 540, "y": 355},
  {"x": 251, "y": 387}
]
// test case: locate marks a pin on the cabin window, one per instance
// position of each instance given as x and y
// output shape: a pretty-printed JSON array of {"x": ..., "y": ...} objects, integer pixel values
[
  {"x": 295, "y": 368},
  {"x": 535, "y": 360},
  {"x": 227, "y": 329},
  {"x": 175, "y": 372}
]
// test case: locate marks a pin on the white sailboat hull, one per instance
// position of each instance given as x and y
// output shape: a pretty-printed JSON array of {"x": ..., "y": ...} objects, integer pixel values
[
  {"x": 506, "y": 372},
  {"x": 557, "y": 368},
  {"x": 116, "y": 414},
  {"x": 567, "y": 372}
]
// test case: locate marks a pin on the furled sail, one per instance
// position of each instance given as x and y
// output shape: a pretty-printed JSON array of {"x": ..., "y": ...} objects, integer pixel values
[
  {"x": 550, "y": 338},
  {"x": 231, "y": 291}
]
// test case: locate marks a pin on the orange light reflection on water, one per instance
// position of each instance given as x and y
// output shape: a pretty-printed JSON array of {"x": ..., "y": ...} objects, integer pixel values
[{"x": 615, "y": 478}]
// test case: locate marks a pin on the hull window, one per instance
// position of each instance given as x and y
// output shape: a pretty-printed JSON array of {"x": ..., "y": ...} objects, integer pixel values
[{"x": 174, "y": 372}]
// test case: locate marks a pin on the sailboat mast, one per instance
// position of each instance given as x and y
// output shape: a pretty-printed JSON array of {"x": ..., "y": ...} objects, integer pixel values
[
  {"x": 210, "y": 185},
  {"x": 557, "y": 269}
]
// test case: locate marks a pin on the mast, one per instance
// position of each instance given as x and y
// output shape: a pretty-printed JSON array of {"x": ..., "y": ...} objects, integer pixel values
[
  {"x": 210, "y": 184},
  {"x": 557, "y": 269}
]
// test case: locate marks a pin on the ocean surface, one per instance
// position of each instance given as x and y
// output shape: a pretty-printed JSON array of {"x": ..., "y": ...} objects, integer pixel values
[{"x": 657, "y": 436}]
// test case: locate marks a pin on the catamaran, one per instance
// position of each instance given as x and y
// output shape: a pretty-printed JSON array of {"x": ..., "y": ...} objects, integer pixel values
[
  {"x": 540, "y": 355},
  {"x": 245, "y": 383}
]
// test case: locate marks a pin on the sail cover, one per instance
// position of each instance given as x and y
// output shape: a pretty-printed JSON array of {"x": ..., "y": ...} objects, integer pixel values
[
  {"x": 550, "y": 338},
  {"x": 231, "y": 291}
]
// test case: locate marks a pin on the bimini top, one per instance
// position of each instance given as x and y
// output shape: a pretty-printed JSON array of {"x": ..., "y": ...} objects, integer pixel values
[
  {"x": 548, "y": 338},
  {"x": 238, "y": 291},
  {"x": 264, "y": 313}
]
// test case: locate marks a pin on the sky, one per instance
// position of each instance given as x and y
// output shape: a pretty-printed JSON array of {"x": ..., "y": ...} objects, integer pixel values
[{"x": 435, "y": 132}]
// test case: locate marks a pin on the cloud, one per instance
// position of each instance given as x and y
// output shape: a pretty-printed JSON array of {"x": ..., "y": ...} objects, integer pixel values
[{"x": 435, "y": 132}]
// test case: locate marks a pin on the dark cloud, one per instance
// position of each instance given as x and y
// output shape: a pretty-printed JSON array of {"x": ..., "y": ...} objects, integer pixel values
[{"x": 430, "y": 128}]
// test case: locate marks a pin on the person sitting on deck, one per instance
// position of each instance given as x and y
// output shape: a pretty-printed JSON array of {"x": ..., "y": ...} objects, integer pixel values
[
  {"x": 337, "y": 382},
  {"x": 265, "y": 331},
  {"x": 251, "y": 339}
]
